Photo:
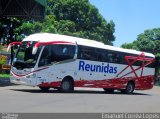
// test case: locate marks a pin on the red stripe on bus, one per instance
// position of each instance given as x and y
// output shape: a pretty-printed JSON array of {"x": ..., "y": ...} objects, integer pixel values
[
  {"x": 53, "y": 42},
  {"x": 146, "y": 82},
  {"x": 28, "y": 73}
]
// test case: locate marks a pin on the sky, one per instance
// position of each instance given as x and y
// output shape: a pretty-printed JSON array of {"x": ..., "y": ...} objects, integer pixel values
[{"x": 131, "y": 17}]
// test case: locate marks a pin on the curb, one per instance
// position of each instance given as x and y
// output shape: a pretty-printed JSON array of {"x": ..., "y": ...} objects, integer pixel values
[{"x": 5, "y": 82}]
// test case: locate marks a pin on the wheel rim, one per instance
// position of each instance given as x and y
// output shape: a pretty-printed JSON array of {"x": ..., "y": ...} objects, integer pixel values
[
  {"x": 65, "y": 85},
  {"x": 130, "y": 88}
]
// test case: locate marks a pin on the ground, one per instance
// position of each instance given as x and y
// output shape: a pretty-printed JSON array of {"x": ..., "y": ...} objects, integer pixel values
[{"x": 18, "y": 98}]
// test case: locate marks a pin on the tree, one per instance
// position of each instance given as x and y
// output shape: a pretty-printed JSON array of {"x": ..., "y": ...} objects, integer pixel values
[
  {"x": 149, "y": 41},
  {"x": 28, "y": 28},
  {"x": 69, "y": 17},
  {"x": 130, "y": 45},
  {"x": 7, "y": 26},
  {"x": 80, "y": 18}
]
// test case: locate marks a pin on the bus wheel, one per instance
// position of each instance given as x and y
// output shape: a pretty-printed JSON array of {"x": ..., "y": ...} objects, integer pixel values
[
  {"x": 129, "y": 88},
  {"x": 44, "y": 89},
  {"x": 108, "y": 90},
  {"x": 67, "y": 85}
]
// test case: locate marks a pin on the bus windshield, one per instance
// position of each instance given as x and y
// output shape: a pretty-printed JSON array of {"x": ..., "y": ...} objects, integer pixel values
[{"x": 24, "y": 57}]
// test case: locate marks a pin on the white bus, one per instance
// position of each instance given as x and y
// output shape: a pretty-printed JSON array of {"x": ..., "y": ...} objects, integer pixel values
[{"x": 64, "y": 62}]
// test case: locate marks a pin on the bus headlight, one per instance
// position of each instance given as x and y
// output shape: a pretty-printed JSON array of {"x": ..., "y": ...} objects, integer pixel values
[{"x": 31, "y": 76}]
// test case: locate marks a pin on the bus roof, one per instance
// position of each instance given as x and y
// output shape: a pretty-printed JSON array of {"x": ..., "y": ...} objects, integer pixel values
[{"x": 48, "y": 37}]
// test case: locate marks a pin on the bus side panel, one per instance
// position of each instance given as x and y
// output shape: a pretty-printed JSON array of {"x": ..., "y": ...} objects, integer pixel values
[
  {"x": 107, "y": 75},
  {"x": 143, "y": 83},
  {"x": 57, "y": 72},
  {"x": 104, "y": 75}
]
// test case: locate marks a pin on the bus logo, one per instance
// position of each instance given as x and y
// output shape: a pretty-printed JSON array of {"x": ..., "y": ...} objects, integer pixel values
[{"x": 97, "y": 68}]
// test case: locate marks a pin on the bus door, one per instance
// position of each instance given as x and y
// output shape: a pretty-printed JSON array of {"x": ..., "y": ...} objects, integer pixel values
[{"x": 42, "y": 72}]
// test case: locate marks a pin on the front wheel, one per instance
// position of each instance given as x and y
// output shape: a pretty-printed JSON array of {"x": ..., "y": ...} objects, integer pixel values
[{"x": 67, "y": 85}]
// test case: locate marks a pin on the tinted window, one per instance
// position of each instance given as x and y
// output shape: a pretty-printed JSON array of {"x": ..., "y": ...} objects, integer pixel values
[
  {"x": 114, "y": 57},
  {"x": 45, "y": 57},
  {"x": 153, "y": 64},
  {"x": 62, "y": 52},
  {"x": 102, "y": 55},
  {"x": 97, "y": 54},
  {"x": 87, "y": 53},
  {"x": 56, "y": 53}
]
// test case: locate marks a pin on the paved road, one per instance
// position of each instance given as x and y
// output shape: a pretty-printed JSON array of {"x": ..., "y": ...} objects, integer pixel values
[{"x": 19, "y": 98}]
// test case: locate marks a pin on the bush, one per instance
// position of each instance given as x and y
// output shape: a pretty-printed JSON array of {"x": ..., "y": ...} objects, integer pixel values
[
  {"x": 3, "y": 59},
  {"x": 0, "y": 48}
]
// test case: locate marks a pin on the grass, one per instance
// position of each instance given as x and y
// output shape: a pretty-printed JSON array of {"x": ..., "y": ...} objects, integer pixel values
[{"x": 4, "y": 75}]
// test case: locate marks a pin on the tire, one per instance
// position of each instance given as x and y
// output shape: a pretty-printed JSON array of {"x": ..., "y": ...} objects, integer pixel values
[
  {"x": 44, "y": 89},
  {"x": 108, "y": 90},
  {"x": 129, "y": 88},
  {"x": 67, "y": 85}
]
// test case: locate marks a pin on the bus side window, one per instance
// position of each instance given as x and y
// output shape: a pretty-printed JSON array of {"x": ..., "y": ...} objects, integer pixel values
[
  {"x": 122, "y": 58},
  {"x": 102, "y": 55},
  {"x": 114, "y": 57},
  {"x": 62, "y": 52},
  {"x": 68, "y": 51},
  {"x": 137, "y": 62},
  {"x": 45, "y": 57},
  {"x": 87, "y": 53},
  {"x": 154, "y": 64}
]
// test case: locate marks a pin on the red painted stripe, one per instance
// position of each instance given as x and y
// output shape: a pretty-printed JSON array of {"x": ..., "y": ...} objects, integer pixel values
[
  {"x": 53, "y": 42},
  {"x": 146, "y": 82},
  {"x": 28, "y": 73}
]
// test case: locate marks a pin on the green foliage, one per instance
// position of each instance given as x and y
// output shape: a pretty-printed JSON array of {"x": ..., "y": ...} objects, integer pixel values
[
  {"x": 7, "y": 24},
  {"x": 3, "y": 59},
  {"x": 0, "y": 48},
  {"x": 28, "y": 28},
  {"x": 72, "y": 17},
  {"x": 80, "y": 18},
  {"x": 149, "y": 41},
  {"x": 49, "y": 25},
  {"x": 4, "y": 75}
]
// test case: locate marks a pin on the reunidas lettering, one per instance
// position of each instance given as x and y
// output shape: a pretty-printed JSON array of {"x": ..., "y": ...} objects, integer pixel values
[{"x": 97, "y": 68}]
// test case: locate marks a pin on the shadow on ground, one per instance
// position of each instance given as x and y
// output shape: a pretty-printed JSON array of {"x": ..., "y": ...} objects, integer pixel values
[{"x": 76, "y": 92}]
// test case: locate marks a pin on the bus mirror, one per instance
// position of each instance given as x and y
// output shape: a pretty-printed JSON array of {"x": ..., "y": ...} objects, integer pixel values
[
  {"x": 34, "y": 51},
  {"x": 8, "y": 48},
  {"x": 12, "y": 44}
]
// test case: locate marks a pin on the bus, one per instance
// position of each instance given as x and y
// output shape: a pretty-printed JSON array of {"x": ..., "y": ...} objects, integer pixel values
[{"x": 64, "y": 62}]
